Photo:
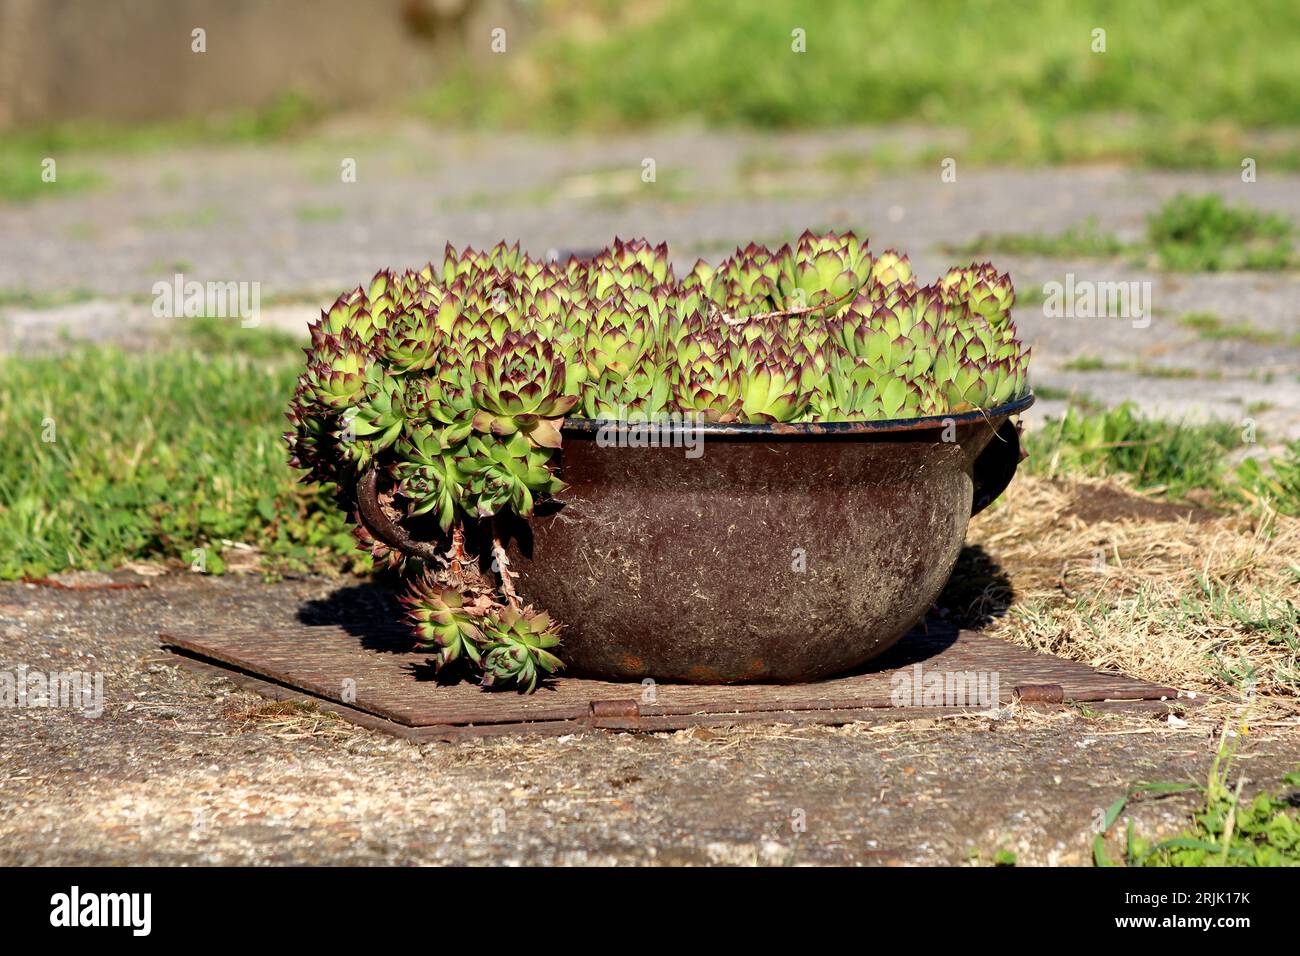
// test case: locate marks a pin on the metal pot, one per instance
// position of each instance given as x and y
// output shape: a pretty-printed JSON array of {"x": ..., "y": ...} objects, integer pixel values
[{"x": 784, "y": 552}]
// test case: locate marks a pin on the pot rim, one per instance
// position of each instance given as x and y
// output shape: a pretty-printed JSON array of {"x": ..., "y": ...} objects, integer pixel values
[{"x": 584, "y": 426}]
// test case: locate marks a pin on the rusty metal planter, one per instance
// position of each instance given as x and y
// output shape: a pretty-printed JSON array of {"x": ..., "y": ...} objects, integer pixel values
[
  {"x": 785, "y": 552},
  {"x": 781, "y": 553}
]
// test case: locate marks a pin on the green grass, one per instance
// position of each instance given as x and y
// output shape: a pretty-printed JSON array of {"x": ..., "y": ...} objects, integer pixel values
[
  {"x": 21, "y": 172},
  {"x": 228, "y": 337},
  {"x": 1213, "y": 328},
  {"x": 1173, "y": 371},
  {"x": 1188, "y": 233},
  {"x": 1150, "y": 142},
  {"x": 315, "y": 214},
  {"x": 1031, "y": 295},
  {"x": 23, "y": 298},
  {"x": 1084, "y": 240},
  {"x": 73, "y": 145},
  {"x": 1205, "y": 234},
  {"x": 1085, "y": 363},
  {"x": 1275, "y": 483},
  {"x": 851, "y": 163},
  {"x": 1225, "y": 830},
  {"x": 155, "y": 455},
  {"x": 1173, "y": 458},
  {"x": 1093, "y": 363},
  {"x": 1051, "y": 393},
  {"x": 995, "y": 80},
  {"x": 1012, "y": 74}
]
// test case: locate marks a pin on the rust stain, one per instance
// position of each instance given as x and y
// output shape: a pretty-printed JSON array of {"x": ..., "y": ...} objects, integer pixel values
[{"x": 702, "y": 674}]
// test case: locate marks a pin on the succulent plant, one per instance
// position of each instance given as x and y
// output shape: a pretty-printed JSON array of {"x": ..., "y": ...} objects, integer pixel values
[
  {"x": 823, "y": 270},
  {"x": 517, "y": 648},
  {"x": 336, "y": 371},
  {"x": 411, "y": 342},
  {"x": 375, "y": 421},
  {"x": 440, "y": 616},
  {"x": 770, "y": 380},
  {"x": 519, "y": 388},
  {"x": 616, "y": 339},
  {"x": 987, "y": 294},
  {"x": 449, "y": 385},
  {"x": 509, "y": 473},
  {"x": 707, "y": 391},
  {"x": 432, "y": 475}
]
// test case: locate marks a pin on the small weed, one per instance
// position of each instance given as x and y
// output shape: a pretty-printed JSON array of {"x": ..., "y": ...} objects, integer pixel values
[
  {"x": 314, "y": 214},
  {"x": 1000, "y": 857},
  {"x": 1083, "y": 710},
  {"x": 1085, "y": 363},
  {"x": 1205, "y": 234},
  {"x": 1224, "y": 831},
  {"x": 1276, "y": 482},
  {"x": 1212, "y": 328},
  {"x": 1084, "y": 240},
  {"x": 1186, "y": 234}
]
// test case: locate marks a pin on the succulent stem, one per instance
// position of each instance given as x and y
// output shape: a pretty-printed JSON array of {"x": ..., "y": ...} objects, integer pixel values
[
  {"x": 503, "y": 569},
  {"x": 456, "y": 557},
  {"x": 715, "y": 313}
]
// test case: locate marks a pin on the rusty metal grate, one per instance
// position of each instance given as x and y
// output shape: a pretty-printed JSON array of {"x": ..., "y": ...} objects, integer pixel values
[{"x": 373, "y": 677}]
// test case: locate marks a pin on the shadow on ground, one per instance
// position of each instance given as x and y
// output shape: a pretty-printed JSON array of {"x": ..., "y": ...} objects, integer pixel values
[{"x": 978, "y": 592}]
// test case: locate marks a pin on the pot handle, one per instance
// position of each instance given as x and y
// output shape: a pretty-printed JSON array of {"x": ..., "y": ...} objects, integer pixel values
[
  {"x": 996, "y": 465},
  {"x": 382, "y": 528}
]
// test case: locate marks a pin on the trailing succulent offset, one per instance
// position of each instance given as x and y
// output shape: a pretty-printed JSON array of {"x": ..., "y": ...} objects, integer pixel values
[{"x": 452, "y": 384}]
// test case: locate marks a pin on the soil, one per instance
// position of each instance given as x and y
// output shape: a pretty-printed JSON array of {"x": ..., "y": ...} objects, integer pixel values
[{"x": 1108, "y": 502}]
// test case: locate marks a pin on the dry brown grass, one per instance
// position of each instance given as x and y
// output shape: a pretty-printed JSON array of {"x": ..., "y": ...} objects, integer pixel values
[
  {"x": 289, "y": 719},
  {"x": 1199, "y": 600}
]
